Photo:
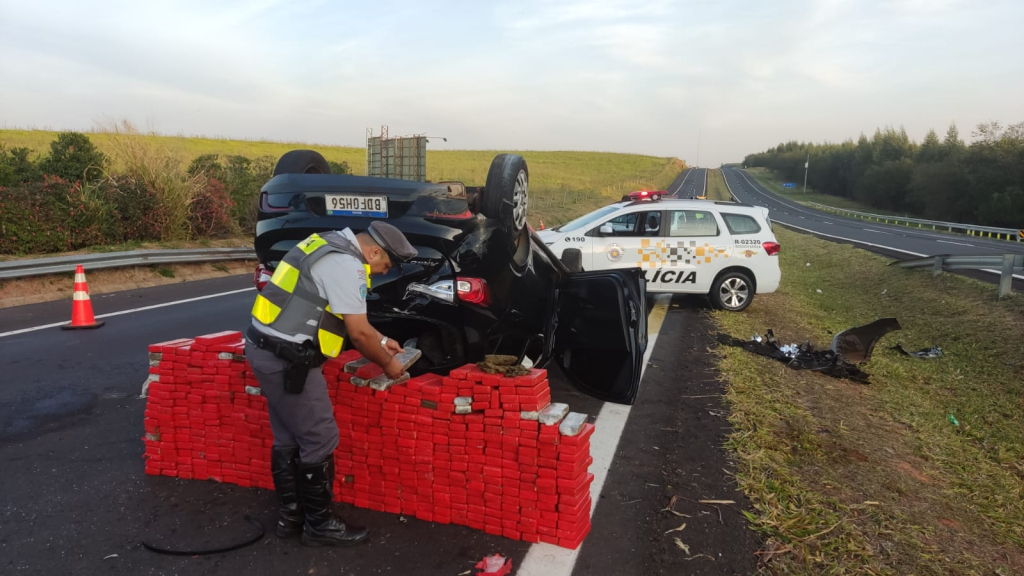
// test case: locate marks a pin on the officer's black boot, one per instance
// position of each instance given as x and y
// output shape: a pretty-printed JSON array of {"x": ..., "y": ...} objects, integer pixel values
[
  {"x": 323, "y": 528},
  {"x": 284, "y": 466}
]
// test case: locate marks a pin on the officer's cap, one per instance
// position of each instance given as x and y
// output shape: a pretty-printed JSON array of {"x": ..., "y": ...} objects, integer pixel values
[{"x": 392, "y": 241}]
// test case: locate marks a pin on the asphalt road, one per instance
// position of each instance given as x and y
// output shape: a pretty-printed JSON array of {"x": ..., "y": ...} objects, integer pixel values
[
  {"x": 74, "y": 498},
  {"x": 903, "y": 241},
  {"x": 689, "y": 184}
]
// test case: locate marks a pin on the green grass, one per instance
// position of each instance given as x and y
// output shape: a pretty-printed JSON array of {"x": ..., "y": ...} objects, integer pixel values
[
  {"x": 717, "y": 190},
  {"x": 165, "y": 272},
  {"x": 773, "y": 182},
  {"x": 875, "y": 479},
  {"x": 563, "y": 185}
]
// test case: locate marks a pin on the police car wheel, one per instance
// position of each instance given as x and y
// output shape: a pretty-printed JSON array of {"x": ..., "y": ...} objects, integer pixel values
[
  {"x": 506, "y": 192},
  {"x": 302, "y": 162},
  {"x": 732, "y": 291}
]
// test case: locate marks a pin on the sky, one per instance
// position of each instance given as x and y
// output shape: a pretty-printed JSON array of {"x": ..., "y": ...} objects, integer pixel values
[{"x": 708, "y": 82}]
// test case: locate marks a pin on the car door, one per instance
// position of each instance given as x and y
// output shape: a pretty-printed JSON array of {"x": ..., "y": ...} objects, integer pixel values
[
  {"x": 601, "y": 332},
  {"x": 688, "y": 258},
  {"x": 622, "y": 248}
]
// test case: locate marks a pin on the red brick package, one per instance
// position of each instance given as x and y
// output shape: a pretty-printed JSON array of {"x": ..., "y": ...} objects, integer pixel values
[{"x": 474, "y": 449}]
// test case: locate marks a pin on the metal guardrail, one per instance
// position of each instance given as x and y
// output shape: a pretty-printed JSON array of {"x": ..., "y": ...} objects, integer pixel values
[
  {"x": 1006, "y": 264},
  {"x": 969, "y": 229},
  {"x": 59, "y": 264}
]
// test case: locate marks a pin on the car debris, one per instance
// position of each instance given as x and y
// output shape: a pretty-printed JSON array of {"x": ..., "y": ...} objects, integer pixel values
[
  {"x": 494, "y": 564},
  {"x": 849, "y": 347},
  {"x": 923, "y": 354}
]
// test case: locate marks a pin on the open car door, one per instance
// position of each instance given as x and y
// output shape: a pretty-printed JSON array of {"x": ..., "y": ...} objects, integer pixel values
[{"x": 601, "y": 332}]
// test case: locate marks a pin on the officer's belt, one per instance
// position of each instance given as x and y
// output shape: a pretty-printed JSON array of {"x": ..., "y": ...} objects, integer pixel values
[{"x": 283, "y": 349}]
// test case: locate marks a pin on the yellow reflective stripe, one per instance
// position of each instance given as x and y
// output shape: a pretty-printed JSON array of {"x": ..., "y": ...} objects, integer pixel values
[
  {"x": 330, "y": 344},
  {"x": 367, "y": 266},
  {"x": 264, "y": 310},
  {"x": 286, "y": 277},
  {"x": 310, "y": 244}
]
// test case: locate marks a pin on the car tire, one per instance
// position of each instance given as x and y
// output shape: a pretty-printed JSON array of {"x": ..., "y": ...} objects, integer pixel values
[
  {"x": 732, "y": 291},
  {"x": 506, "y": 193},
  {"x": 302, "y": 162},
  {"x": 572, "y": 258}
]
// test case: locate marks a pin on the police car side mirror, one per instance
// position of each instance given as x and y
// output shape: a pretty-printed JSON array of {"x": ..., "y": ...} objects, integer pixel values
[{"x": 605, "y": 230}]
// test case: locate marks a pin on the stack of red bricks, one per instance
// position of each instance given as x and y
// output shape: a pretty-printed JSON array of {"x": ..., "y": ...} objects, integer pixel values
[{"x": 475, "y": 449}]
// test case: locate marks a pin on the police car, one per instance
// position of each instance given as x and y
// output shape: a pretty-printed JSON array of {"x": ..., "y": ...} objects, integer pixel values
[{"x": 723, "y": 249}]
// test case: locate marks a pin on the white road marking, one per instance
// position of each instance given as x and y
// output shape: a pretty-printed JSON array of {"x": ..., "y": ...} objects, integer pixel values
[
  {"x": 133, "y": 310},
  {"x": 957, "y": 243},
  {"x": 548, "y": 560},
  {"x": 877, "y": 231}
]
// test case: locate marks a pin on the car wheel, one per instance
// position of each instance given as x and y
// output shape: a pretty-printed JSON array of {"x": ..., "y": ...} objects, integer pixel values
[
  {"x": 572, "y": 258},
  {"x": 732, "y": 291},
  {"x": 506, "y": 192},
  {"x": 302, "y": 162}
]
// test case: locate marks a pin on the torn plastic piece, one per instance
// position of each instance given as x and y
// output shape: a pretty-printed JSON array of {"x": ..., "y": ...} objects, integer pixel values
[
  {"x": 572, "y": 424},
  {"x": 553, "y": 414},
  {"x": 855, "y": 344},
  {"x": 382, "y": 382},
  {"x": 353, "y": 366},
  {"x": 254, "y": 390},
  {"x": 923, "y": 353},
  {"x": 952, "y": 420},
  {"x": 152, "y": 436},
  {"x": 757, "y": 338},
  {"x": 156, "y": 356},
  {"x": 494, "y": 564},
  {"x": 145, "y": 385}
]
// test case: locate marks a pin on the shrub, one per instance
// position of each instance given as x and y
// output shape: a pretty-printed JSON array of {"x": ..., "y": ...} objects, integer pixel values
[
  {"x": 210, "y": 214},
  {"x": 339, "y": 167},
  {"x": 16, "y": 167},
  {"x": 137, "y": 207},
  {"x": 73, "y": 157},
  {"x": 32, "y": 220}
]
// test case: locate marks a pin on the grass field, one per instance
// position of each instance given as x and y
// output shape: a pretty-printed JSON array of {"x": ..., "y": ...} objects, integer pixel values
[
  {"x": 919, "y": 472},
  {"x": 717, "y": 189},
  {"x": 773, "y": 182},
  {"x": 563, "y": 185}
]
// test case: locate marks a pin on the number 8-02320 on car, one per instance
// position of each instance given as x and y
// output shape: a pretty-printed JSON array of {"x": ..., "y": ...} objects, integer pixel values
[{"x": 723, "y": 249}]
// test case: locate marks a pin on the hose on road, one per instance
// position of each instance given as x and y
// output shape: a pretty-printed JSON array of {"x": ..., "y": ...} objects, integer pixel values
[{"x": 231, "y": 548}]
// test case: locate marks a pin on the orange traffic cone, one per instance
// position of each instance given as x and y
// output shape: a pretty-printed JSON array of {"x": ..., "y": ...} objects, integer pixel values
[
  {"x": 81, "y": 310},
  {"x": 542, "y": 224}
]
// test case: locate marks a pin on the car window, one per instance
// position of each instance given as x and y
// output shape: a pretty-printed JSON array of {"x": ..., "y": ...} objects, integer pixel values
[
  {"x": 692, "y": 223},
  {"x": 740, "y": 223},
  {"x": 650, "y": 224},
  {"x": 587, "y": 219}
]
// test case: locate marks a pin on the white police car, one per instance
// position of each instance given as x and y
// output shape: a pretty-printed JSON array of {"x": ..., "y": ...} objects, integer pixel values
[{"x": 723, "y": 249}]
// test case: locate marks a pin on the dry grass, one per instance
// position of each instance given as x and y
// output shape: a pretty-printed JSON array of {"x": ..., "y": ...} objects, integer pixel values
[
  {"x": 563, "y": 185},
  {"x": 717, "y": 189},
  {"x": 876, "y": 479}
]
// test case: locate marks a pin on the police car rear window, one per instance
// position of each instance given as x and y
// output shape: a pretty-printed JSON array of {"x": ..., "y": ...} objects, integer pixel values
[
  {"x": 692, "y": 223},
  {"x": 740, "y": 223}
]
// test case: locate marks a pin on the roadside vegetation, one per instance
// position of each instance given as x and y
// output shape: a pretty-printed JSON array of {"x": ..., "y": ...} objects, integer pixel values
[
  {"x": 773, "y": 182},
  {"x": 919, "y": 472},
  {"x": 68, "y": 191},
  {"x": 717, "y": 190},
  {"x": 938, "y": 179}
]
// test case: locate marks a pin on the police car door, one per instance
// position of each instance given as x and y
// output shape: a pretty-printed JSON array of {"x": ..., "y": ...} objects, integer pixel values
[
  {"x": 617, "y": 241},
  {"x": 691, "y": 254}
]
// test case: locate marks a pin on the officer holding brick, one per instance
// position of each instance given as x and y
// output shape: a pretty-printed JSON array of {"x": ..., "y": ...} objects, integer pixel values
[{"x": 315, "y": 300}]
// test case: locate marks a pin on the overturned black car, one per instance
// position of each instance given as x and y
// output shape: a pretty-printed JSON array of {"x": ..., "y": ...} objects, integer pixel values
[{"x": 482, "y": 282}]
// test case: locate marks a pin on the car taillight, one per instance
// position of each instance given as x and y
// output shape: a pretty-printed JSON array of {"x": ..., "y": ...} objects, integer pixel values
[
  {"x": 473, "y": 290},
  {"x": 772, "y": 248},
  {"x": 261, "y": 276},
  {"x": 265, "y": 205}
]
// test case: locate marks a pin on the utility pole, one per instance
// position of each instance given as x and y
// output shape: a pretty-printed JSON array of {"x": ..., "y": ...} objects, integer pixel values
[{"x": 806, "y": 164}]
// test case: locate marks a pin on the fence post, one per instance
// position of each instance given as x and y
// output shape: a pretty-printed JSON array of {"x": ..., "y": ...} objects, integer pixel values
[
  {"x": 1006, "y": 278},
  {"x": 937, "y": 269}
]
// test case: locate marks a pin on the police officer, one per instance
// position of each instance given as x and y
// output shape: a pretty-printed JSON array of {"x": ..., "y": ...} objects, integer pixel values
[{"x": 315, "y": 300}]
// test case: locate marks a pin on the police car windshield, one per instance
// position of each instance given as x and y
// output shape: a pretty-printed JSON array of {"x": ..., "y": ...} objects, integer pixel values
[{"x": 587, "y": 219}]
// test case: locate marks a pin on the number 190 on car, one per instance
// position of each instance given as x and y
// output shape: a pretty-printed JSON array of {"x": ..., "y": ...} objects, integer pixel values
[{"x": 357, "y": 205}]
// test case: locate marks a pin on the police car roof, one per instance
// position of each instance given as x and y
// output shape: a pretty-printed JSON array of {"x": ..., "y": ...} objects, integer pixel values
[{"x": 681, "y": 203}]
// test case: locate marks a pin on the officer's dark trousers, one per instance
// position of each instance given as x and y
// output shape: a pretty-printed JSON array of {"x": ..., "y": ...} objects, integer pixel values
[{"x": 305, "y": 420}]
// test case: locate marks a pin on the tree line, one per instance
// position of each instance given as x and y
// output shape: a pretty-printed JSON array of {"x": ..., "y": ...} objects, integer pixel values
[{"x": 938, "y": 179}]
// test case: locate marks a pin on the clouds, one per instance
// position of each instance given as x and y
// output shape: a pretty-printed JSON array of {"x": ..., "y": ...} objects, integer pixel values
[{"x": 605, "y": 75}]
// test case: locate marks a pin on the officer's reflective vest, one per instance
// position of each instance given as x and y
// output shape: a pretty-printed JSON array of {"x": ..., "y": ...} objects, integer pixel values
[{"x": 290, "y": 302}]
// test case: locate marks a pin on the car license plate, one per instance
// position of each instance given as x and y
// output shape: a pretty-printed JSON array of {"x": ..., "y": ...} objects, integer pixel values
[{"x": 357, "y": 205}]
